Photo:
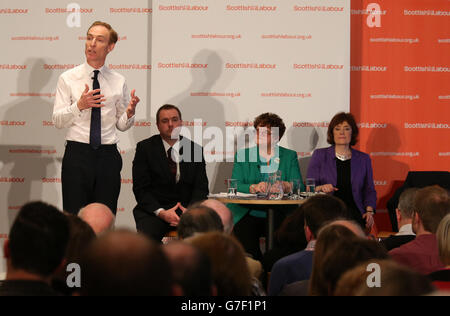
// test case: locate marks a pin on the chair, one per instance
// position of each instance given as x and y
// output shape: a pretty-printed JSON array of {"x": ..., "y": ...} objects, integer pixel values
[
  {"x": 417, "y": 179},
  {"x": 171, "y": 235}
]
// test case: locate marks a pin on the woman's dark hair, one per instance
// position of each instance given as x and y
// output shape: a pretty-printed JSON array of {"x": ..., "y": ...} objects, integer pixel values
[
  {"x": 270, "y": 120},
  {"x": 339, "y": 119}
]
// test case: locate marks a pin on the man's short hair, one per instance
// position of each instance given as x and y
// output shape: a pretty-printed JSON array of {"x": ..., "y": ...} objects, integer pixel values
[
  {"x": 38, "y": 239},
  {"x": 166, "y": 107},
  {"x": 191, "y": 268},
  {"x": 113, "y": 36},
  {"x": 200, "y": 219},
  {"x": 432, "y": 204},
  {"x": 321, "y": 209},
  {"x": 123, "y": 263},
  {"x": 406, "y": 202}
]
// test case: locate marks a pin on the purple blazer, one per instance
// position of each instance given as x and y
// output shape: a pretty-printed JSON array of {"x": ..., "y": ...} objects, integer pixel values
[{"x": 322, "y": 168}]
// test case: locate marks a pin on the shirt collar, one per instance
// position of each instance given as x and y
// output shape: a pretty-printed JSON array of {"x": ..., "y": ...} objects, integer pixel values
[
  {"x": 405, "y": 230},
  {"x": 175, "y": 147},
  {"x": 90, "y": 69},
  {"x": 311, "y": 245}
]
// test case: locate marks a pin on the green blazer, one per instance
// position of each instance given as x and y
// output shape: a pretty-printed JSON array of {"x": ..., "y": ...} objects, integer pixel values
[{"x": 249, "y": 169}]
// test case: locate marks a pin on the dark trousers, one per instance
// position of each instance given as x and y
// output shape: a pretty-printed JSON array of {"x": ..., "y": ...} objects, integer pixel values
[
  {"x": 250, "y": 228},
  {"x": 90, "y": 176},
  {"x": 151, "y": 225}
]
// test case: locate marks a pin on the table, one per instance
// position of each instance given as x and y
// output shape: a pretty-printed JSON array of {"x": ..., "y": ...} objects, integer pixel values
[{"x": 270, "y": 210}]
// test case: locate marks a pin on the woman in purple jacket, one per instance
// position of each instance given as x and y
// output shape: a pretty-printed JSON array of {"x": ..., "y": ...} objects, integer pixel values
[{"x": 344, "y": 171}]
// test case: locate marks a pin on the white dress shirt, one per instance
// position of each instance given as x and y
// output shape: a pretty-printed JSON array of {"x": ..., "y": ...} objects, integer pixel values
[
  {"x": 405, "y": 230},
  {"x": 70, "y": 87}
]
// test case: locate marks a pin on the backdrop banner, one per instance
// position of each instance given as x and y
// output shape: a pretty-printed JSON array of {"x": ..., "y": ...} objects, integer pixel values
[{"x": 224, "y": 63}]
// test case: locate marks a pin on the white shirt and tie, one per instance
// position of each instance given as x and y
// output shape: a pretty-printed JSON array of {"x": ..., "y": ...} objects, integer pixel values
[
  {"x": 69, "y": 89},
  {"x": 176, "y": 154}
]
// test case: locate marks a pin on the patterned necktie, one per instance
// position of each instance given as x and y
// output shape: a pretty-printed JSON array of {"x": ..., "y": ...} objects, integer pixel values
[
  {"x": 172, "y": 164},
  {"x": 95, "y": 137}
]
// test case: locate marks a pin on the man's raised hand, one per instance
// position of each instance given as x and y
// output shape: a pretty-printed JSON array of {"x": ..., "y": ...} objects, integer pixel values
[{"x": 89, "y": 100}]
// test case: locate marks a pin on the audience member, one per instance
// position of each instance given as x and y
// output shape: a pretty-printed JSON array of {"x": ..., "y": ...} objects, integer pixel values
[
  {"x": 230, "y": 271},
  {"x": 226, "y": 215},
  {"x": 123, "y": 263},
  {"x": 224, "y": 212},
  {"x": 395, "y": 280},
  {"x": 441, "y": 278},
  {"x": 318, "y": 210},
  {"x": 338, "y": 255},
  {"x": 332, "y": 232},
  {"x": 431, "y": 205},
  {"x": 199, "y": 219},
  {"x": 404, "y": 213},
  {"x": 81, "y": 235},
  {"x": 99, "y": 217},
  {"x": 288, "y": 239},
  {"x": 35, "y": 250},
  {"x": 191, "y": 269}
]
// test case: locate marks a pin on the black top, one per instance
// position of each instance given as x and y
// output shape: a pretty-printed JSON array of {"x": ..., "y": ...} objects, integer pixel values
[
  {"x": 442, "y": 275},
  {"x": 393, "y": 242},
  {"x": 26, "y": 288},
  {"x": 345, "y": 193}
]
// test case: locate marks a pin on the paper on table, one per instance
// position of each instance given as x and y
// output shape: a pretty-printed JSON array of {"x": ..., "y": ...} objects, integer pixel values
[{"x": 225, "y": 195}]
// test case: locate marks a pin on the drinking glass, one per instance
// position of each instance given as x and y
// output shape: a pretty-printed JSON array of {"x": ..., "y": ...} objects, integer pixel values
[
  {"x": 310, "y": 186},
  {"x": 232, "y": 188}
]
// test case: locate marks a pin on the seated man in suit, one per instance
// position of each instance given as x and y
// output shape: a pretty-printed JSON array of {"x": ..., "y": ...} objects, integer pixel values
[
  {"x": 168, "y": 175},
  {"x": 404, "y": 213}
]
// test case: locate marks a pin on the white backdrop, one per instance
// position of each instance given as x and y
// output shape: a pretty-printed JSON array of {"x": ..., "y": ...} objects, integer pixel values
[
  {"x": 223, "y": 62},
  {"x": 226, "y": 62}
]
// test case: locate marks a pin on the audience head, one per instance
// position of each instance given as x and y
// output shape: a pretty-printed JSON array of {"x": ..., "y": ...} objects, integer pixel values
[
  {"x": 319, "y": 210},
  {"x": 337, "y": 251},
  {"x": 431, "y": 205},
  {"x": 123, "y": 263},
  {"x": 223, "y": 211},
  {"x": 340, "y": 119},
  {"x": 229, "y": 267},
  {"x": 395, "y": 280},
  {"x": 37, "y": 241},
  {"x": 405, "y": 209},
  {"x": 443, "y": 237},
  {"x": 191, "y": 269},
  {"x": 291, "y": 232},
  {"x": 81, "y": 235},
  {"x": 353, "y": 226},
  {"x": 264, "y": 124},
  {"x": 99, "y": 217},
  {"x": 198, "y": 219}
]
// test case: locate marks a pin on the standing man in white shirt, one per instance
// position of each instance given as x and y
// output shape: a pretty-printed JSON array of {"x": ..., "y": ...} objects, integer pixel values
[{"x": 93, "y": 101}]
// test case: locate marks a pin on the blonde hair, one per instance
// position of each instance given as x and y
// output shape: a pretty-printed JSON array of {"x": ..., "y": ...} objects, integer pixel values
[
  {"x": 443, "y": 237},
  {"x": 113, "y": 36}
]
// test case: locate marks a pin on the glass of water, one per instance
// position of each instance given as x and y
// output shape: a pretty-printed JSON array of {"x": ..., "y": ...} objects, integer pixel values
[
  {"x": 310, "y": 186},
  {"x": 232, "y": 188},
  {"x": 297, "y": 187},
  {"x": 276, "y": 187}
]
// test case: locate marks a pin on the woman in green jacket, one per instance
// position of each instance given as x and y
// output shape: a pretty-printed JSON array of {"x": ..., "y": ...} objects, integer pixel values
[{"x": 252, "y": 168}]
